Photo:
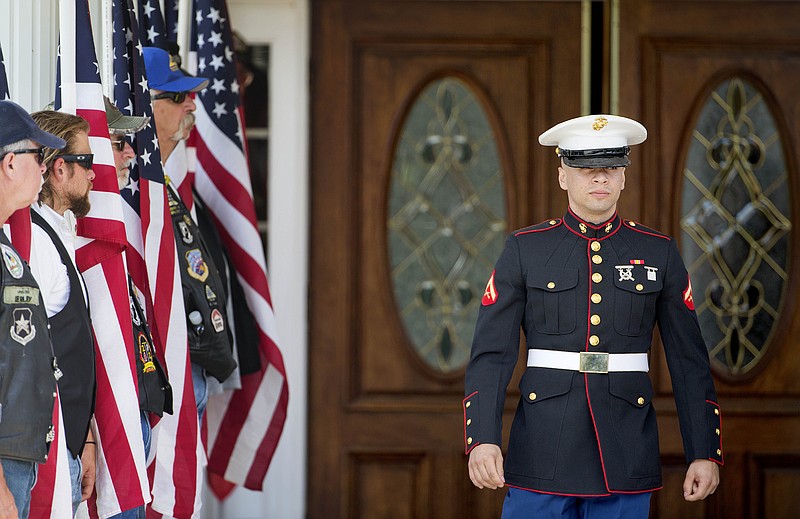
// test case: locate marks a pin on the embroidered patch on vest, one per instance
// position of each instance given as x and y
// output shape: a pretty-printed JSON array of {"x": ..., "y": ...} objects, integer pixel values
[
  {"x": 186, "y": 234},
  {"x": 23, "y": 331},
  {"x": 21, "y": 296},
  {"x": 134, "y": 314},
  {"x": 12, "y": 261},
  {"x": 490, "y": 295},
  {"x": 217, "y": 321},
  {"x": 210, "y": 295},
  {"x": 688, "y": 300},
  {"x": 197, "y": 265},
  {"x": 146, "y": 354}
]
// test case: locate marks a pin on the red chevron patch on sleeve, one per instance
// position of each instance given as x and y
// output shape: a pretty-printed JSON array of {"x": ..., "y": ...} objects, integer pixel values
[
  {"x": 688, "y": 300},
  {"x": 490, "y": 295}
]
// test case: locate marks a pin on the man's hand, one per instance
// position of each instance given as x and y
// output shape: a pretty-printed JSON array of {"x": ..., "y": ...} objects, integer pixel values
[
  {"x": 8, "y": 508},
  {"x": 88, "y": 475},
  {"x": 486, "y": 466},
  {"x": 702, "y": 479}
]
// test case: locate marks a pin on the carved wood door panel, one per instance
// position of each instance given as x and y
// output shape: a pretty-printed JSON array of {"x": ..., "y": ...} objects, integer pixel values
[
  {"x": 425, "y": 119},
  {"x": 424, "y": 123},
  {"x": 715, "y": 83}
]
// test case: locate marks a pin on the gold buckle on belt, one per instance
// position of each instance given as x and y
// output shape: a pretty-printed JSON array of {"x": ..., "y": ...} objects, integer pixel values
[{"x": 592, "y": 362}]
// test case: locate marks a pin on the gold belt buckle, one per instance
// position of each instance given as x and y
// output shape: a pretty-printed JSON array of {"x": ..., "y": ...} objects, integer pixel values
[{"x": 592, "y": 362}]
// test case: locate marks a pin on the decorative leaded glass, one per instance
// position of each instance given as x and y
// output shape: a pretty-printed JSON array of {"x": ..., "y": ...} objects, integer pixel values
[
  {"x": 735, "y": 222},
  {"x": 446, "y": 221}
]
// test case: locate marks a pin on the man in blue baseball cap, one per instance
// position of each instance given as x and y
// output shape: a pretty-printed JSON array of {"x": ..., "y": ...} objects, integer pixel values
[
  {"x": 173, "y": 107},
  {"x": 203, "y": 279},
  {"x": 27, "y": 381}
]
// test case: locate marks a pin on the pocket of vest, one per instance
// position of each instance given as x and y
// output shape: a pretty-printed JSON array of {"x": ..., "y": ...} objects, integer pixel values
[{"x": 552, "y": 299}]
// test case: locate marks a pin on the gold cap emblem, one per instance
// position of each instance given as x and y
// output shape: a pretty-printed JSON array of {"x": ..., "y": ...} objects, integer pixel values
[
  {"x": 599, "y": 124},
  {"x": 173, "y": 65}
]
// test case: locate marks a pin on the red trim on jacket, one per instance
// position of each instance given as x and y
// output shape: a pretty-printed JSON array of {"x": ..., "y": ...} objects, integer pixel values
[
  {"x": 611, "y": 492},
  {"x": 627, "y": 223},
  {"x": 558, "y": 223}
]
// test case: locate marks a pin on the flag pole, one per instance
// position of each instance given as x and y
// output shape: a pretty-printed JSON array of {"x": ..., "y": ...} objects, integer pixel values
[
  {"x": 107, "y": 55},
  {"x": 184, "y": 29}
]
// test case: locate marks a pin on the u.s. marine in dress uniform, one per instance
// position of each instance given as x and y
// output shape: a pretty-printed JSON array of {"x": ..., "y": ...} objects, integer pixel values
[{"x": 587, "y": 290}]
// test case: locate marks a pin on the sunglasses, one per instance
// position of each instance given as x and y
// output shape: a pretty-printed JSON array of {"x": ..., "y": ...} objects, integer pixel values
[
  {"x": 119, "y": 145},
  {"x": 38, "y": 151},
  {"x": 85, "y": 161},
  {"x": 175, "y": 97}
]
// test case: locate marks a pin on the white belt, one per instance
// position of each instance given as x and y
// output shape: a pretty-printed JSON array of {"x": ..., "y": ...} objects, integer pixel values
[{"x": 588, "y": 362}]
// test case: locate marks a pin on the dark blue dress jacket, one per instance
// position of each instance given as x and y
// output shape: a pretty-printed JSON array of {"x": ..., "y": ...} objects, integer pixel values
[{"x": 574, "y": 286}]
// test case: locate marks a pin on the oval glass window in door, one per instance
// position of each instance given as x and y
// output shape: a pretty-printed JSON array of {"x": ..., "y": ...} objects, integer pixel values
[
  {"x": 446, "y": 220},
  {"x": 735, "y": 222}
]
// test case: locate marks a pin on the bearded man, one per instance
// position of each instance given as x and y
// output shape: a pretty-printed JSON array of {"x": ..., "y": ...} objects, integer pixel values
[{"x": 64, "y": 198}]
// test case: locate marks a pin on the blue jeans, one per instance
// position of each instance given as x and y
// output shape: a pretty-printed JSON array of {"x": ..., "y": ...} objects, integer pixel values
[
  {"x": 523, "y": 504},
  {"x": 200, "y": 389},
  {"x": 20, "y": 477},
  {"x": 75, "y": 469},
  {"x": 135, "y": 513}
]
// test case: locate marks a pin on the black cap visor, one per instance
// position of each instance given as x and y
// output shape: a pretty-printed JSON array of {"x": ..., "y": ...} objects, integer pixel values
[{"x": 600, "y": 158}]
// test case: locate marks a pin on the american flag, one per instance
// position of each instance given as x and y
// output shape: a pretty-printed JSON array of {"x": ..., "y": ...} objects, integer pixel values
[
  {"x": 152, "y": 261},
  {"x": 19, "y": 223},
  {"x": 171, "y": 19},
  {"x": 149, "y": 13},
  {"x": 121, "y": 477},
  {"x": 244, "y": 425}
]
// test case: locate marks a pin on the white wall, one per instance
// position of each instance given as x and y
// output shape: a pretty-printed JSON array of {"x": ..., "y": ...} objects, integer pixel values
[{"x": 29, "y": 38}]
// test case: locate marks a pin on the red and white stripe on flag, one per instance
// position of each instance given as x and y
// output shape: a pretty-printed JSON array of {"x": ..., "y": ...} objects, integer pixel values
[
  {"x": 121, "y": 476},
  {"x": 176, "y": 447},
  {"x": 243, "y": 426},
  {"x": 176, "y": 470},
  {"x": 52, "y": 494},
  {"x": 175, "y": 465}
]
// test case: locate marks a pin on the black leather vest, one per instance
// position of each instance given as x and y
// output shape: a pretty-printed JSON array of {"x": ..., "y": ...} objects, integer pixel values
[
  {"x": 210, "y": 340},
  {"x": 246, "y": 330},
  {"x": 27, "y": 364},
  {"x": 155, "y": 393},
  {"x": 73, "y": 344}
]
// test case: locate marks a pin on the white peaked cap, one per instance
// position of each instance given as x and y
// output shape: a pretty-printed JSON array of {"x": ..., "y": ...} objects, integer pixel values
[
  {"x": 607, "y": 136},
  {"x": 592, "y": 132}
]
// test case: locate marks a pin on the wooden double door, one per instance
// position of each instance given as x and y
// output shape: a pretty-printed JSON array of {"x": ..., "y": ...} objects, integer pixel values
[{"x": 385, "y": 436}]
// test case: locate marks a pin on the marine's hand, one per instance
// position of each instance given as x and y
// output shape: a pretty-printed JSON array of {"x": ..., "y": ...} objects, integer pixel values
[
  {"x": 702, "y": 479},
  {"x": 486, "y": 466}
]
